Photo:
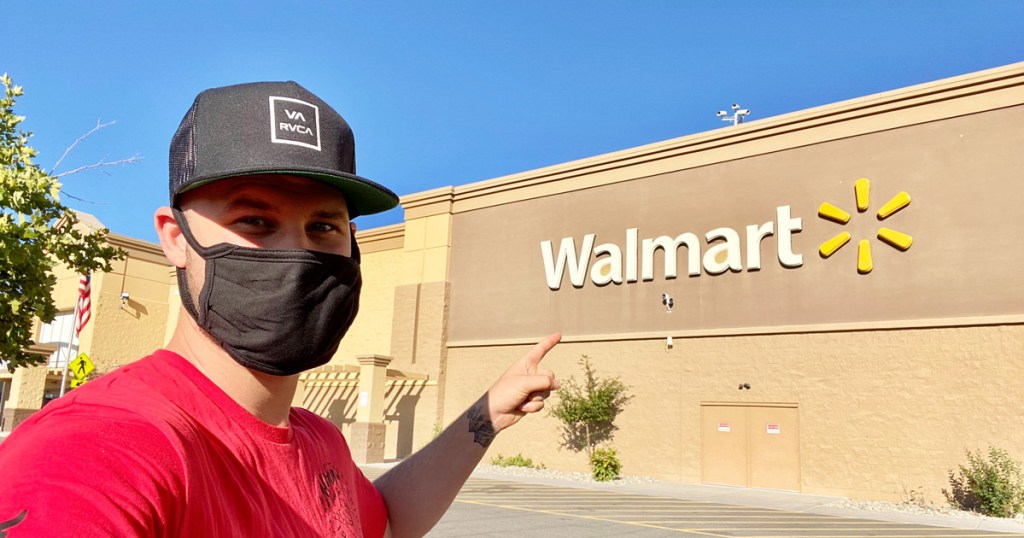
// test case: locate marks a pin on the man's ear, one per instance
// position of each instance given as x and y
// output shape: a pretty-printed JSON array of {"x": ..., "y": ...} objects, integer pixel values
[{"x": 171, "y": 240}]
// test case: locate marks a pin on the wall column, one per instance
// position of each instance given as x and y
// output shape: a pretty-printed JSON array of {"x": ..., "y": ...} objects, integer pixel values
[
  {"x": 27, "y": 388},
  {"x": 366, "y": 438},
  {"x": 419, "y": 333}
]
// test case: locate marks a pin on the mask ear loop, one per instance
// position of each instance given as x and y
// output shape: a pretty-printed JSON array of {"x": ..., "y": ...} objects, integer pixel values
[
  {"x": 206, "y": 252},
  {"x": 355, "y": 251},
  {"x": 183, "y": 290}
]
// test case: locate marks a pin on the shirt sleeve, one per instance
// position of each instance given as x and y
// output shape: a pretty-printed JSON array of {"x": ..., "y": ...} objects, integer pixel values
[{"x": 69, "y": 475}]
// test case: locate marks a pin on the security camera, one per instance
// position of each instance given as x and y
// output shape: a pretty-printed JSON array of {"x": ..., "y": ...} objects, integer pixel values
[
  {"x": 666, "y": 300},
  {"x": 125, "y": 295},
  {"x": 743, "y": 112},
  {"x": 720, "y": 113},
  {"x": 735, "y": 106}
]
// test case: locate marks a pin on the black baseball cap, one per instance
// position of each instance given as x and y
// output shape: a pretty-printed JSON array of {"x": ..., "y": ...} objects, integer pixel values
[{"x": 270, "y": 128}]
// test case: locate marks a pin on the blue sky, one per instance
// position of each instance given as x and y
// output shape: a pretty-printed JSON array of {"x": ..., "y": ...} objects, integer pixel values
[{"x": 449, "y": 93}]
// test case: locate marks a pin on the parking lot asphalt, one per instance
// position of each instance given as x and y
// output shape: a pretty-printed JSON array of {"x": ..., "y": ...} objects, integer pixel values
[{"x": 493, "y": 506}]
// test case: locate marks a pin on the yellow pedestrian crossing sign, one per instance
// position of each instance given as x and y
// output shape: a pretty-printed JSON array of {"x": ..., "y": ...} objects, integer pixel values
[{"x": 80, "y": 367}]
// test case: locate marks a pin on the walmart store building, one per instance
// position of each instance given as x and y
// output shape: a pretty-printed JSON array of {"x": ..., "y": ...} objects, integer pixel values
[{"x": 848, "y": 305}]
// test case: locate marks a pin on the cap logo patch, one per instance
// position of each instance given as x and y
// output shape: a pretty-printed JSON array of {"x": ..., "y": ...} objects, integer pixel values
[{"x": 294, "y": 122}]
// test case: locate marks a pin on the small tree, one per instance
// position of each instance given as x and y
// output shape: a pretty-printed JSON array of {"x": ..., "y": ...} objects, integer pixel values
[
  {"x": 587, "y": 411},
  {"x": 36, "y": 233}
]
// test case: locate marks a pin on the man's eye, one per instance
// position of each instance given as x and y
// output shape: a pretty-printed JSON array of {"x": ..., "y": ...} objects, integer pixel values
[
  {"x": 323, "y": 227},
  {"x": 255, "y": 222}
]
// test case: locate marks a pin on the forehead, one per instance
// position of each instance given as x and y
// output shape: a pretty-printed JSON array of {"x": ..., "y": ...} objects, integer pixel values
[{"x": 272, "y": 191}]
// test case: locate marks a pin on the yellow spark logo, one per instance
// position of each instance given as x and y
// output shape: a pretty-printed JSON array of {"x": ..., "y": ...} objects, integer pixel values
[{"x": 897, "y": 240}]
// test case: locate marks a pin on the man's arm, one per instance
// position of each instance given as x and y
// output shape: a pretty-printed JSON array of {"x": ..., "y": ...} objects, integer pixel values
[{"x": 418, "y": 491}]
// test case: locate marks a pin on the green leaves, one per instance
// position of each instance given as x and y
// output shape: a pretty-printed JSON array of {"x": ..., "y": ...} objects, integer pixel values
[
  {"x": 993, "y": 486},
  {"x": 514, "y": 461},
  {"x": 605, "y": 465},
  {"x": 36, "y": 233},
  {"x": 588, "y": 409}
]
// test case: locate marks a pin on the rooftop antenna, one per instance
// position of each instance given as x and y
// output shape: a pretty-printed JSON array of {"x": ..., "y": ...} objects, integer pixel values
[{"x": 737, "y": 114}]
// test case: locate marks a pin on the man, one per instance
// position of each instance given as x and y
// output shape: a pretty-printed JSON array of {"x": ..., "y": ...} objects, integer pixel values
[{"x": 200, "y": 439}]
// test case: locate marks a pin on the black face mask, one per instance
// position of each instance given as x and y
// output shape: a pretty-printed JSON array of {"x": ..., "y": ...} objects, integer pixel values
[{"x": 275, "y": 311}]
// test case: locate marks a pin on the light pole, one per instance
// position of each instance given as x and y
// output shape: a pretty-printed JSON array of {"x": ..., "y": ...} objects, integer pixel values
[{"x": 737, "y": 114}]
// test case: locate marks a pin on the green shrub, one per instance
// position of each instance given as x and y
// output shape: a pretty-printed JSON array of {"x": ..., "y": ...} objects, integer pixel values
[
  {"x": 514, "y": 461},
  {"x": 993, "y": 486},
  {"x": 605, "y": 464}
]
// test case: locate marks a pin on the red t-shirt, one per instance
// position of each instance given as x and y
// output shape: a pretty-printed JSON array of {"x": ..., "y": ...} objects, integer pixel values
[{"x": 156, "y": 449}]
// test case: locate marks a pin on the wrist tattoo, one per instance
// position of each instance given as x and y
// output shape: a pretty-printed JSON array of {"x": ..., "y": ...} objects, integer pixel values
[{"x": 480, "y": 426}]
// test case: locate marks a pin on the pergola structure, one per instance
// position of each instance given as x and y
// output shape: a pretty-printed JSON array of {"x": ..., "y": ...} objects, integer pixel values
[{"x": 362, "y": 398}]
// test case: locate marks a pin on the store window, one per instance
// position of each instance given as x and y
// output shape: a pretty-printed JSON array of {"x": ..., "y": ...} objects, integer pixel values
[{"x": 60, "y": 331}]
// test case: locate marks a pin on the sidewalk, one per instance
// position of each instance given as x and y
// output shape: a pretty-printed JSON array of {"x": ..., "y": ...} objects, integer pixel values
[
  {"x": 778, "y": 500},
  {"x": 755, "y": 498}
]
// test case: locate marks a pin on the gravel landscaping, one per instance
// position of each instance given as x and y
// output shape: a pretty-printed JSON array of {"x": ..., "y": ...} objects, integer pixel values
[
  {"x": 914, "y": 508},
  {"x": 526, "y": 472}
]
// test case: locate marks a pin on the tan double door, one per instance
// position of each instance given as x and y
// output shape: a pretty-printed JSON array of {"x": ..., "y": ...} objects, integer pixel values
[{"x": 750, "y": 445}]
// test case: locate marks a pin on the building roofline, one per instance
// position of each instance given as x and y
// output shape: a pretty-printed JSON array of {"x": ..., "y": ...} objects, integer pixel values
[{"x": 956, "y": 96}]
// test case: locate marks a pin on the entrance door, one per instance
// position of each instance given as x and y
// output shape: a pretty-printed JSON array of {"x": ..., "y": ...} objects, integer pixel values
[{"x": 751, "y": 445}]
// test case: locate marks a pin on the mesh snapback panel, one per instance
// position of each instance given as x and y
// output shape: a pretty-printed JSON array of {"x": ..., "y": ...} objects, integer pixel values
[{"x": 182, "y": 158}]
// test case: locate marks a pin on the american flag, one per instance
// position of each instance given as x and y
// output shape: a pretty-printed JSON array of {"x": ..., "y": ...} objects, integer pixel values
[{"x": 84, "y": 304}]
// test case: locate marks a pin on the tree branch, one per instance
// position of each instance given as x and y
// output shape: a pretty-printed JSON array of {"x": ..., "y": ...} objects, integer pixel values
[
  {"x": 99, "y": 164},
  {"x": 75, "y": 143},
  {"x": 83, "y": 200}
]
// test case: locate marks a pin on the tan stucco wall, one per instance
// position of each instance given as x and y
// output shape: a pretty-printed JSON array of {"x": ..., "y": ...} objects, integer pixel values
[
  {"x": 22, "y": 395},
  {"x": 124, "y": 331},
  {"x": 371, "y": 332},
  {"x": 409, "y": 417},
  {"x": 65, "y": 292},
  {"x": 26, "y": 387},
  {"x": 881, "y": 412}
]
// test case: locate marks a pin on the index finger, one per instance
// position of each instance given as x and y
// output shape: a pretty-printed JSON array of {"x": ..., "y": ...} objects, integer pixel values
[{"x": 533, "y": 357}]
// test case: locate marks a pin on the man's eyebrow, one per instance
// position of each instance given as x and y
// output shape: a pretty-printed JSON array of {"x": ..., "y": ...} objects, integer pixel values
[
  {"x": 249, "y": 203},
  {"x": 245, "y": 202},
  {"x": 331, "y": 215}
]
